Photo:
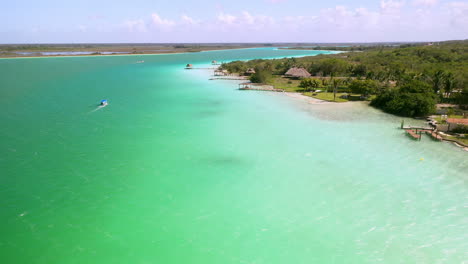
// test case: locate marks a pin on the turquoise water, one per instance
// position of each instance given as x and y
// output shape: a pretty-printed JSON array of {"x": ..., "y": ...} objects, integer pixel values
[{"x": 180, "y": 169}]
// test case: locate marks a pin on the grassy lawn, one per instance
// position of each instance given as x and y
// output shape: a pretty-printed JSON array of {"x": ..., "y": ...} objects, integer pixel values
[
  {"x": 462, "y": 140},
  {"x": 292, "y": 85},
  {"x": 442, "y": 121},
  {"x": 286, "y": 84}
]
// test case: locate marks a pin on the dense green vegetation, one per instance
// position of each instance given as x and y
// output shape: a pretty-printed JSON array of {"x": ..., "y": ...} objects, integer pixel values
[
  {"x": 261, "y": 76},
  {"x": 364, "y": 87},
  {"x": 346, "y": 48},
  {"x": 407, "y": 80},
  {"x": 414, "y": 98}
]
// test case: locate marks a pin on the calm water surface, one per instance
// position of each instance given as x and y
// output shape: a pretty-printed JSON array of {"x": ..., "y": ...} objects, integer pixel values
[{"x": 180, "y": 169}]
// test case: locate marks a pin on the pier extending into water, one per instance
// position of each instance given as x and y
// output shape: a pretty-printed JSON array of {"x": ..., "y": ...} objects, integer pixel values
[
  {"x": 235, "y": 78},
  {"x": 416, "y": 132},
  {"x": 200, "y": 68},
  {"x": 258, "y": 87}
]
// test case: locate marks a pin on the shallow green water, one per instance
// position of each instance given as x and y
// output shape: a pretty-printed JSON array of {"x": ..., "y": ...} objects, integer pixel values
[{"x": 179, "y": 169}]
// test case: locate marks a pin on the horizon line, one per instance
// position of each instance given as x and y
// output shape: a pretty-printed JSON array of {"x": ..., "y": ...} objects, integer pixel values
[{"x": 282, "y": 42}]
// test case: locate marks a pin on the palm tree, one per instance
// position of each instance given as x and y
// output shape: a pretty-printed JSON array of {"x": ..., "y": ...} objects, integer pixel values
[
  {"x": 335, "y": 83},
  {"x": 315, "y": 83},
  {"x": 332, "y": 74},
  {"x": 437, "y": 79},
  {"x": 449, "y": 83}
]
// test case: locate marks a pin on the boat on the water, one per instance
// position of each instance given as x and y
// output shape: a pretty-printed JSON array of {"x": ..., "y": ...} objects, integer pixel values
[{"x": 104, "y": 102}]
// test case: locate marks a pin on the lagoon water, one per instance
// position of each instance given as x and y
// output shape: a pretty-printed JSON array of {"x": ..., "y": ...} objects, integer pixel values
[{"x": 180, "y": 169}]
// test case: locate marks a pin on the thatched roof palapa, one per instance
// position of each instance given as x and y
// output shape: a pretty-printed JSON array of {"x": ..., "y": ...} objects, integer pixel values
[
  {"x": 297, "y": 73},
  {"x": 250, "y": 71}
]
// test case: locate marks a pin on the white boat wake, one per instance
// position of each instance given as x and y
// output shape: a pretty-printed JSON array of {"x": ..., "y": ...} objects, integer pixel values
[
  {"x": 97, "y": 108},
  {"x": 103, "y": 104}
]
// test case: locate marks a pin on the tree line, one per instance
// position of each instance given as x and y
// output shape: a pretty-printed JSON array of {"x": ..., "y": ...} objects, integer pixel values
[{"x": 407, "y": 80}]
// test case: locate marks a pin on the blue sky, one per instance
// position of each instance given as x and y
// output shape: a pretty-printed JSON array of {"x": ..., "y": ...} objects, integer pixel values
[{"x": 104, "y": 21}]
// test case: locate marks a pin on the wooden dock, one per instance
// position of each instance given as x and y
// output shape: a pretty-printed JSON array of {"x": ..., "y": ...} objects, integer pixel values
[
  {"x": 198, "y": 68},
  {"x": 260, "y": 88},
  {"x": 229, "y": 78},
  {"x": 434, "y": 135},
  {"x": 416, "y": 132}
]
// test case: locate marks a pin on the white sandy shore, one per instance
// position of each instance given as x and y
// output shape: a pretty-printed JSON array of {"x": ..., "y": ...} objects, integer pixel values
[{"x": 306, "y": 99}]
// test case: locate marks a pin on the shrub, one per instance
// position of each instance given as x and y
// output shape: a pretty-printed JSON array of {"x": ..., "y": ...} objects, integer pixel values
[
  {"x": 260, "y": 76},
  {"x": 413, "y": 99},
  {"x": 364, "y": 87},
  {"x": 461, "y": 129}
]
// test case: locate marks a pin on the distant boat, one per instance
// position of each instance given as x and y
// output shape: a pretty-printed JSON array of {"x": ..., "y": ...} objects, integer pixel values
[
  {"x": 140, "y": 61},
  {"x": 104, "y": 103}
]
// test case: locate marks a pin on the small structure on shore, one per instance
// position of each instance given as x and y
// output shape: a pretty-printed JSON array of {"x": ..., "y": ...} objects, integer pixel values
[
  {"x": 416, "y": 132},
  {"x": 295, "y": 72},
  {"x": 454, "y": 123},
  {"x": 249, "y": 72},
  {"x": 219, "y": 72},
  {"x": 188, "y": 66},
  {"x": 215, "y": 63}
]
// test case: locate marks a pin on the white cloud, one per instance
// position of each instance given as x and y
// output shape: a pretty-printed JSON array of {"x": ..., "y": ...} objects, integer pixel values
[
  {"x": 248, "y": 18},
  {"x": 161, "y": 22},
  {"x": 393, "y": 20},
  {"x": 338, "y": 16},
  {"x": 137, "y": 25},
  {"x": 391, "y": 6},
  {"x": 425, "y": 3},
  {"x": 226, "y": 18},
  {"x": 244, "y": 21},
  {"x": 188, "y": 20},
  {"x": 342, "y": 18}
]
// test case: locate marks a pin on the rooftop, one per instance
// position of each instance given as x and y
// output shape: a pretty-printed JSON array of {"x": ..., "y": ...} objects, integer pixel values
[
  {"x": 461, "y": 121},
  {"x": 298, "y": 72}
]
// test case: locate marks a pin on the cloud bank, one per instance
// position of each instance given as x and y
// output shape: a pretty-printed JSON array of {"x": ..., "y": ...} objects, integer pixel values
[{"x": 390, "y": 20}]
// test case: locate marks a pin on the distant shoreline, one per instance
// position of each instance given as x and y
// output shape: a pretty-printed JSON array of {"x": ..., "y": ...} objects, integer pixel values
[
  {"x": 117, "y": 53},
  {"x": 113, "y": 49}
]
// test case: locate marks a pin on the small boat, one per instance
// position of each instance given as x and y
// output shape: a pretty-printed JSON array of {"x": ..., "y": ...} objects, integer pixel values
[
  {"x": 104, "y": 102},
  {"x": 142, "y": 61}
]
